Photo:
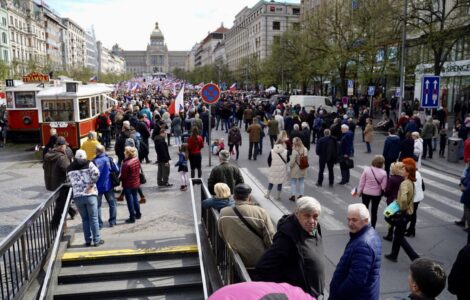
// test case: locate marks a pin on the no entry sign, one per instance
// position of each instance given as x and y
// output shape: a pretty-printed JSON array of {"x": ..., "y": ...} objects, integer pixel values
[{"x": 210, "y": 93}]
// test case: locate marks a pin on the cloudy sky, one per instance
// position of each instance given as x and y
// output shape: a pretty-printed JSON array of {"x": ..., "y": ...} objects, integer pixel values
[{"x": 130, "y": 22}]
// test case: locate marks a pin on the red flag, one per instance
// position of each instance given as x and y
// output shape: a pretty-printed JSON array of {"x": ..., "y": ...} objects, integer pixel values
[{"x": 171, "y": 109}]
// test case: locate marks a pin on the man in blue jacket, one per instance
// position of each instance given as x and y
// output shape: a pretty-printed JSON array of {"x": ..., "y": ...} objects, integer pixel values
[
  {"x": 346, "y": 145},
  {"x": 105, "y": 165},
  {"x": 357, "y": 275},
  {"x": 391, "y": 149}
]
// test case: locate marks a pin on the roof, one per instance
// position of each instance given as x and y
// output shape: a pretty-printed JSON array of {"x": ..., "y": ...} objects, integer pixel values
[
  {"x": 25, "y": 87},
  {"x": 82, "y": 91},
  {"x": 156, "y": 33}
]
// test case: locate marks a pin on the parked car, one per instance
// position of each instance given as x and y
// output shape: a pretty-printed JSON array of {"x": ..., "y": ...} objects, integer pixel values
[{"x": 309, "y": 102}]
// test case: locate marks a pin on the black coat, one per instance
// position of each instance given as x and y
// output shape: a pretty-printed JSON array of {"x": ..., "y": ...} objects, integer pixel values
[
  {"x": 305, "y": 137},
  {"x": 285, "y": 262},
  {"x": 458, "y": 276},
  {"x": 327, "y": 149},
  {"x": 161, "y": 147}
]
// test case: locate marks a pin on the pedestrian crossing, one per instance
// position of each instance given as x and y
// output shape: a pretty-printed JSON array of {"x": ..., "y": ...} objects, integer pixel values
[{"x": 441, "y": 204}]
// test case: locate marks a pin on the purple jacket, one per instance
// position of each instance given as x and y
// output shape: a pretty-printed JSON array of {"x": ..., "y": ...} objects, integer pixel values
[
  {"x": 369, "y": 185},
  {"x": 393, "y": 185}
]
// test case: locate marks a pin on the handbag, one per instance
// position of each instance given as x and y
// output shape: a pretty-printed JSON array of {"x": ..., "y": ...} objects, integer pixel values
[
  {"x": 380, "y": 185},
  {"x": 142, "y": 178},
  {"x": 113, "y": 176},
  {"x": 303, "y": 161},
  {"x": 346, "y": 163},
  {"x": 392, "y": 213}
]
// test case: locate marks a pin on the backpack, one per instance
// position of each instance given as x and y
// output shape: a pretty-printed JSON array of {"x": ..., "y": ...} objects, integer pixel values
[{"x": 303, "y": 161}]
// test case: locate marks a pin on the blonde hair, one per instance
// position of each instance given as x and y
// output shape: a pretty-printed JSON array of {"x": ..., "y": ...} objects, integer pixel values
[
  {"x": 130, "y": 152},
  {"x": 222, "y": 190},
  {"x": 396, "y": 168}
]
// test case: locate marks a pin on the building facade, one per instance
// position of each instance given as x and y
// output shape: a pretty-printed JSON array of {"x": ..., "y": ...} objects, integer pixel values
[
  {"x": 54, "y": 37},
  {"x": 205, "y": 53},
  {"x": 190, "y": 64},
  {"x": 91, "y": 61},
  {"x": 255, "y": 29},
  {"x": 155, "y": 59},
  {"x": 109, "y": 62},
  {"x": 74, "y": 54},
  {"x": 4, "y": 40}
]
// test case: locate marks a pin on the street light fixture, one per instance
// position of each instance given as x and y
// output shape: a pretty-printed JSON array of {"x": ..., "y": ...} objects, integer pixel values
[{"x": 402, "y": 60}]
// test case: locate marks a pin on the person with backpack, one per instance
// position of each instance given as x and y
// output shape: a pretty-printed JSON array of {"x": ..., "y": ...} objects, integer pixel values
[
  {"x": 298, "y": 168},
  {"x": 234, "y": 139},
  {"x": 277, "y": 162},
  {"x": 103, "y": 126}
]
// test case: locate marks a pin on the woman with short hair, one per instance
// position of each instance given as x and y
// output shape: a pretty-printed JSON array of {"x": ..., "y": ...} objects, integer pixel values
[
  {"x": 130, "y": 179},
  {"x": 372, "y": 184},
  {"x": 221, "y": 199}
]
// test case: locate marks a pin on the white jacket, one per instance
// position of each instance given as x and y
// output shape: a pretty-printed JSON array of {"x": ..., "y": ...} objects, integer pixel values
[
  {"x": 280, "y": 121},
  {"x": 418, "y": 151},
  {"x": 419, "y": 193},
  {"x": 278, "y": 170}
]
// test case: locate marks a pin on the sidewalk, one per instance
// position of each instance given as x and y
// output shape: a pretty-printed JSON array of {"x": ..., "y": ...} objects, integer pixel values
[{"x": 444, "y": 166}]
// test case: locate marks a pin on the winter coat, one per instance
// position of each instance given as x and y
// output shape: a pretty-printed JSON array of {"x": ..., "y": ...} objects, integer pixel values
[
  {"x": 226, "y": 173},
  {"x": 391, "y": 148},
  {"x": 418, "y": 151},
  {"x": 369, "y": 133},
  {"x": 273, "y": 127},
  {"x": 357, "y": 274},
  {"x": 295, "y": 257},
  {"x": 90, "y": 148},
  {"x": 278, "y": 168},
  {"x": 55, "y": 169},
  {"x": 405, "y": 196},
  {"x": 217, "y": 203},
  {"x": 234, "y": 136},
  {"x": 393, "y": 185},
  {"x": 252, "y": 290},
  {"x": 105, "y": 167},
  {"x": 130, "y": 170},
  {"x": 82, "y": 175},
  {"x": 295, "y": 171},
  {"x": 120, "y": 143},
  {"x": 465, "y": 183},
  {"x": 458, "y": 276},
  {"x": 428, "y": 130},
  {"x": 176, "y": 128},
  {"x": 327, "y": 149},
  {"x": 163, "y": 156},
  {"x": 346, "y": 143},
  {"x": 305, "y": 137},
  {"x": 247, "y": 114},
  {"x": 368, "y": 184},
  {"x": 407, "y": 147},
  {"x": 247, "y": 244},
  {"x": 254, "y": 133},
  {"x": 419, "y": 188}
]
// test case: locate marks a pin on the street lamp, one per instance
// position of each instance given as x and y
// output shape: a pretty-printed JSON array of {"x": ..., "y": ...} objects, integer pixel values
[{"x": 402, "y": 60}]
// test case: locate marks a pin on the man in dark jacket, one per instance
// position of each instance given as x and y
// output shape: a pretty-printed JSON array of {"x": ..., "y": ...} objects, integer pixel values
[
  {"x": 357, "y": 274},
  {"x": 346, "y": 144},
  {"x": 305, "y": 135},
  {"x": 225, "y": 172},
  {"x": 326, "y": 149},
  {"x": 391, "y": 149},
  {"x": 103, "y": 126},
  {"x": 458, "y": 276},
  {"x": 121, "y": 141},
  {"x": 55, "y": 167},
  {"x": 141, "y": 127},
  {"x": 296, "y": 256},
  {"x": 163, "y": 160}
]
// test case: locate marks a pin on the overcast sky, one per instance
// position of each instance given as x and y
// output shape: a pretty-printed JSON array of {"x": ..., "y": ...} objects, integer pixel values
[{"x": 130, "y": 22}]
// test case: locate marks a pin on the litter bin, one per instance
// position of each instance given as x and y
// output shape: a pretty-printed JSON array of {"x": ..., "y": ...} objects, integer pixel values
[{"x": 453, "y": 149}]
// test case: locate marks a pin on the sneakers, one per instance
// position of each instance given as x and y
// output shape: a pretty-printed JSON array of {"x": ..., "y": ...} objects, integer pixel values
[
  {"x": 101, "y": 242},
  {"x": 183, "y": 188}
]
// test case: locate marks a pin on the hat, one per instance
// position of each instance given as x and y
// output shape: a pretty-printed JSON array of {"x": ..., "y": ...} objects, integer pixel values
[
  {"x": 61, "y": 141},
  {"x": 80, "y": 154},
  {"x": 241, "y": 191},
  {"x": 224, "y": 155}
]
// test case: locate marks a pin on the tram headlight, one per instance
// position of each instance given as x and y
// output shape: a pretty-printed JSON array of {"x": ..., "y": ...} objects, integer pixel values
[{"x": 27, "y": 120}]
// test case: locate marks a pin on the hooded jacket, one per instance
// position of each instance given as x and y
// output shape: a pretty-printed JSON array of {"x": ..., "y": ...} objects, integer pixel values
[
  {"x": 105, "y": 167},
  {"x": 83, "y": 174},
  {"x": 295, "y": 258},
  {"x": 55, "y": 169},
  {"x": 278, "y": 168}
]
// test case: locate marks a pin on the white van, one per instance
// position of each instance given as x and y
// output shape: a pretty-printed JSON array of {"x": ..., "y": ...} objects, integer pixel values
[{"x": 309, "y": 102}]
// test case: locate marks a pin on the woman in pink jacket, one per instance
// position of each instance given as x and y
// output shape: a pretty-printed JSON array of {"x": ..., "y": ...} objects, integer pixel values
[{"x": 372, "y": 184}]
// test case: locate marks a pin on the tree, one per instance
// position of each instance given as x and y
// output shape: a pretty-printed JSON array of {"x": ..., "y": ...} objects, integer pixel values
[
  {"x": 4, "y": 70},
  {"x": 439, "y": 24}
]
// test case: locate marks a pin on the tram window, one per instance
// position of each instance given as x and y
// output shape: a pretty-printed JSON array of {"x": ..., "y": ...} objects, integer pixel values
[
  {"x": 93, "y": 106},
  {"x": 100, "y": 103},
  {"x": 9, "y": 99},
  {"x": 25, "y": 100},
  {"x": 84, "y": 108},
  {"x": 57, "y": 110}
]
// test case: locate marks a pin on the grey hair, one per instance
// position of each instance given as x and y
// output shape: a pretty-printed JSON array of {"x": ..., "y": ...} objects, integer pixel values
[
  {"x": 361, "y": 209},
  {"x": 296, "y": 126},
  {"x": 307, "y": 204},
  {"x": 344, "y": 126},
  {"x": 92, "y": 135},
  {"x": 100, "y": 149},
  {"x": 327, "y": 132}
]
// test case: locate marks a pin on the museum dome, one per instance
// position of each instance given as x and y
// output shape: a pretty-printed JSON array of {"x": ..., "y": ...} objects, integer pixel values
[{"x": 156, "y": 33}]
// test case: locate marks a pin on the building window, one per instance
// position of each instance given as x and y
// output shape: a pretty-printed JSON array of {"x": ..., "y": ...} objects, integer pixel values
[
  {"x": 4, "y": 37},
  {"x": 296, "y": 11},
  {"x": 11, "y": 20},
  {"x": 5, "y": 55},
  {"x": 276, "y": 25},
  {"x": 4, "y": 21}
]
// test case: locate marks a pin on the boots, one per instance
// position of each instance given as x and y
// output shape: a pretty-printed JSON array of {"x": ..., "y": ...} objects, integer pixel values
[
  {"x": 278, "y": 195},
  {"x": 268, "y": 194},
  {"x": 389, "y": 236}
]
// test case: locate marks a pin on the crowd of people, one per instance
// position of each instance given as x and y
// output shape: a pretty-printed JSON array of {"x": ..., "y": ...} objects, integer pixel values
[{"x": 293, "y": 253}]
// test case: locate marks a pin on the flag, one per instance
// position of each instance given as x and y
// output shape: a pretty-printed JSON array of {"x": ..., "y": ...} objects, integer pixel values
[
  {"x": 171, "y": 109},
  {"x": 179, "y": 102},
  {"x": 93, "y": 78},
  {"x": 135, "y": 87},
  {"x": 233, "y": 87}
]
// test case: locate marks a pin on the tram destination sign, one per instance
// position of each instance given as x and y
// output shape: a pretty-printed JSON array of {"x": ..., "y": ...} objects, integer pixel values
[{"x": 35, "y": 77}]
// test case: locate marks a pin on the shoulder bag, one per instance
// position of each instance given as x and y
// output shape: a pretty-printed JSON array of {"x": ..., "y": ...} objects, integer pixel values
[
  {"x": 240, "y": 216},
  {"x": 379, "y": 183},
  {"x": 303, "y": 161},
  {"x": 113, "y": 175},
  {"x": 142, "y": 178}
]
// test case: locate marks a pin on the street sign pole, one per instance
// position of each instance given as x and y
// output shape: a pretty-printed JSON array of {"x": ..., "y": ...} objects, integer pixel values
[
  {"x": 402, "y": 61},
  {"x": 210, "y": 94},
  {"x": 209, "y": 132}
]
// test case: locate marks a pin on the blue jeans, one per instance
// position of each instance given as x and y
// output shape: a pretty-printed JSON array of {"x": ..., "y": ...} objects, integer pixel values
[
  {"x": 109, "y": 195},
  {"x": 260, "y": 146},
  {"x": 293, "y": 186},
  {"x": 369, "y": 150},
  {"x": 279, "y": 187},
  {"x": 88, "y": 209},
  {"x": 132, "y": 203}
]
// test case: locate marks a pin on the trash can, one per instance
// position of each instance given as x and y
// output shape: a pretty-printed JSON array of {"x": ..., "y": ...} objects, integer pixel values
[{"x": 453, "y": 149}]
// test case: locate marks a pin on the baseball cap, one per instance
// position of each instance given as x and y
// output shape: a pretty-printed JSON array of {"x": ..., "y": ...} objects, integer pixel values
[
  {"x": 80, "y": 154},
  {"x": 61, "y": 141}
]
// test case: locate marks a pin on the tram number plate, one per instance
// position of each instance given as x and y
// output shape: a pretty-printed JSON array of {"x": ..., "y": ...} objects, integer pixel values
[{"x": 58, "y": 124}]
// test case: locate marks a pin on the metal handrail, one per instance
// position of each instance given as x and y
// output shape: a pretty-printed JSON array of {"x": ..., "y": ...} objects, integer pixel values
[
  {"x": 24, "y": 251},
  {"x": 229, "y": 263}
]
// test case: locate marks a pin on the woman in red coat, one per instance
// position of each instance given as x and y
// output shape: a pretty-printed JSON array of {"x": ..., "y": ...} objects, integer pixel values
[
  {"x": 131, "y": 182},
  {"x": 195, "y": 144}
]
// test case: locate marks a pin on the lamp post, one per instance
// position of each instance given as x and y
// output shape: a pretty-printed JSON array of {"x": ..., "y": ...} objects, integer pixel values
[{"x": 402, "y": 60}]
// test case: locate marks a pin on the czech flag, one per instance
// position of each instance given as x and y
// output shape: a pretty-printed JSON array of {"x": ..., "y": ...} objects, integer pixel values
[
  {"x": 93, "y": 79},
  {"x": 233, "y": 87}
]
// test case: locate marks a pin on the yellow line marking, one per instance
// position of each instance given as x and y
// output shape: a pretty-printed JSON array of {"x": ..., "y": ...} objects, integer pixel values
[{"x": 89, "y": 255}]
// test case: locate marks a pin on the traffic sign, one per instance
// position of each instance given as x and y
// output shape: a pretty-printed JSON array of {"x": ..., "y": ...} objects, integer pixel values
[
  {"x": 210, "y": 93},
  {"x": 371, "y": 90},
  {"x": 398, "y": 92},
  {"x": 430, "y": 92},
  {"x": 350, "y": 87}
]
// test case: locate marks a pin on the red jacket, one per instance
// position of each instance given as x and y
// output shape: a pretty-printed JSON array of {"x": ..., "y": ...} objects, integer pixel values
[
  {"x": 466, "y": 150},
  {"x": 130, "y": 173},
  {"x": 194, "y": 147}
]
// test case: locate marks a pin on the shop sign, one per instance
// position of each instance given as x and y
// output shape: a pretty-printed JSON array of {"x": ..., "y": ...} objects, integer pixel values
[
  {"x": 449, "y": 69},
  {"x": 35, "y": 77}
]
